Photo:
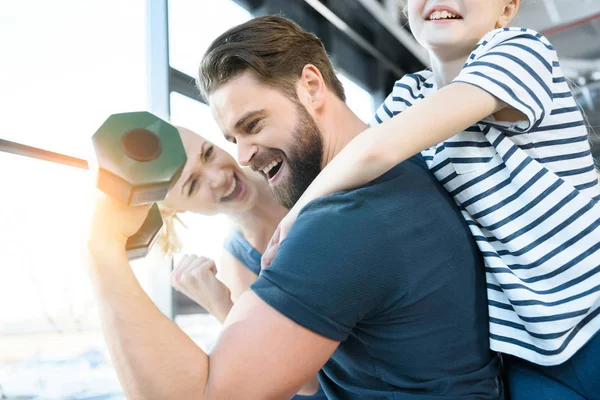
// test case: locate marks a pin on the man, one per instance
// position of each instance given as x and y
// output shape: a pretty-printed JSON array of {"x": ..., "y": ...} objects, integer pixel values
[{"x": 380, "y": 288}]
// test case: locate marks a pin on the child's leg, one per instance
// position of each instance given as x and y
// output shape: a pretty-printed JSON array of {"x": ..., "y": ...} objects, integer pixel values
[
  {"x": 577, "y": 378},
  {"x": 582, "y": 370},
  {"x": 525, "y": 381}
]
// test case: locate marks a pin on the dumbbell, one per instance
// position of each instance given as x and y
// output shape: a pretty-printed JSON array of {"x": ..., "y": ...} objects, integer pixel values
[{"x": 138, "y": 156}]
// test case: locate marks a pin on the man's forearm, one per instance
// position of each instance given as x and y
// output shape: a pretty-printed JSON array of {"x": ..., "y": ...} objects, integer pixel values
[{"x": 153, "y": 358}]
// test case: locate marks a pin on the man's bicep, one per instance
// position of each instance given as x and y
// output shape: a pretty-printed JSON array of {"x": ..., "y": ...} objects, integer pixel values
[{"x": 261, "y": 354}]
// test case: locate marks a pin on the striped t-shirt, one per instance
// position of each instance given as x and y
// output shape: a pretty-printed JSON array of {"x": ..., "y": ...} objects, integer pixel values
[{"x": 529, "y": 193}]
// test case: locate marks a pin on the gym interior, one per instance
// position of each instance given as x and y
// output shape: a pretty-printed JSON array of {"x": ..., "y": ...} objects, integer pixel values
[{"x": 68, "y": 65}]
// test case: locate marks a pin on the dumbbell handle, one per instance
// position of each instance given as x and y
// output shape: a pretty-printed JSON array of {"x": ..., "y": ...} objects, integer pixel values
[{"x": 143, "y": 240}]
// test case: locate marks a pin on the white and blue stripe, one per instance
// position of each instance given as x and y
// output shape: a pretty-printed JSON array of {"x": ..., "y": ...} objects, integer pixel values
[{"x": 529, "y": 193}]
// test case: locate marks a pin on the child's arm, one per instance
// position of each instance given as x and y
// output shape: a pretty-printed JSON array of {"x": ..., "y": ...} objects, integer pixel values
[
  {"x": 515, "y": 66},
  {"x": 428, "y": 122}
]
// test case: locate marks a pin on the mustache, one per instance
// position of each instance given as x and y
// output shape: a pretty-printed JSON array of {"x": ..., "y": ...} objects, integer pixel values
[{"x": 264, "y": 157}]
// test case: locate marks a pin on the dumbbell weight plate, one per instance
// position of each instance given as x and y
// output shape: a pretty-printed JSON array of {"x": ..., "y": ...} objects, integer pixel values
[{"x": 139, "y": 155}]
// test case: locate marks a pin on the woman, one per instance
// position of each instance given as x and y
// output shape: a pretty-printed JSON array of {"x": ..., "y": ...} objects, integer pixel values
[{"x": 213, "y": 183}]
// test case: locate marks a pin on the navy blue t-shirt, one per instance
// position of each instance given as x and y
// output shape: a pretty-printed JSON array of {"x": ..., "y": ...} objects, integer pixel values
[
  {"x": 391, "y": 271},
  {"x": 237, "y": 245}
]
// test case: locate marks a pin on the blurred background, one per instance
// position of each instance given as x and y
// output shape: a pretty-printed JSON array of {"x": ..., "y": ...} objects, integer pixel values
[{"x": 65, "y": 65}]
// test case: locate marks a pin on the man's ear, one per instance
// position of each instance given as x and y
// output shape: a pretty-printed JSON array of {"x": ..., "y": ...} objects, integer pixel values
[{"x": 313, "y": 87}]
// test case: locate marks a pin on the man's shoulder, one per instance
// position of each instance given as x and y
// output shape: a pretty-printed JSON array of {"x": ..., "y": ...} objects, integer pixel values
[{"x": 407, "y": 184}]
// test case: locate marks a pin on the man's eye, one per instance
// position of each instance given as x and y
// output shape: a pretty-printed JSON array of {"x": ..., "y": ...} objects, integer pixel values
[{"x": 252, "y": 126}]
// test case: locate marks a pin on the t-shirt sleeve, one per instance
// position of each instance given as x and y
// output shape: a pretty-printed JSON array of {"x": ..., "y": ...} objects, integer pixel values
[
  {"x": 384, "y": 112},
  {"x": 405, "y": 93},
  {"x": 327, "y": 273},
  {"x": 516, "y": 66}
]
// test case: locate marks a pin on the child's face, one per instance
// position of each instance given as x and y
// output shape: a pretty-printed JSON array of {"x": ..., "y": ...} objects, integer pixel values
[{"x": 451, "y": 28}]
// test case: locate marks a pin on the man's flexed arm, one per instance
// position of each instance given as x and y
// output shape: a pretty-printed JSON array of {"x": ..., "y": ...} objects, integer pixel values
[{"x": 155, "y": 359}]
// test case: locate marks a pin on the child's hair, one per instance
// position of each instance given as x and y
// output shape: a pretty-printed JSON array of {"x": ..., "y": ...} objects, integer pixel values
[{"x": 168, "y": 241}]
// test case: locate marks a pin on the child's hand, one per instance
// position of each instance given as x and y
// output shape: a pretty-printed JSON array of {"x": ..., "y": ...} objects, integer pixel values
[
  {"x": 280, "y": 234},
  {"x": 271, "y": 250},
  {"x": 286, "y": 224}
]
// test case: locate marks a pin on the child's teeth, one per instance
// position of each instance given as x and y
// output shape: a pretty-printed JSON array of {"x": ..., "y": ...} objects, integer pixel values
[{"x": 442, "y": 15}]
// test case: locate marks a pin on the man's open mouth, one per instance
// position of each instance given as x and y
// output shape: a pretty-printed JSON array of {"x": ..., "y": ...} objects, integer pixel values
[{"x": 272, "y": 169}]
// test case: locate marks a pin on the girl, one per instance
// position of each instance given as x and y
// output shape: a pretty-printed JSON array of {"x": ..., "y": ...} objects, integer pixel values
[{"x": 498, "y": 126}]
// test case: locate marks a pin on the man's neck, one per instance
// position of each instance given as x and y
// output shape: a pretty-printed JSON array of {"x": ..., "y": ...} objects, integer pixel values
[{"x": 339, "y": 126}]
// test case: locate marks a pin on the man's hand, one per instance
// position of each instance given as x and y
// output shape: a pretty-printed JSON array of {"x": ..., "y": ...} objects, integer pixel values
[
  {"x": 196, "y": 278},
  {"x": 111, "y": 225}
]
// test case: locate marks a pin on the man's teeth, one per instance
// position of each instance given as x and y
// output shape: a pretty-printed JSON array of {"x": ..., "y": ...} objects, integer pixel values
[
  {"x": 231, "y": 188},
  {"x": 442, "y": 15},
  {"x": 270, "y": 166}
]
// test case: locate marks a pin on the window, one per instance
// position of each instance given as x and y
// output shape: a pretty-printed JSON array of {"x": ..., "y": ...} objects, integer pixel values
[
  {"x": 63, "y": 72},
  {"x": 193, "y": 25},
  {"x": 357, "y": 98},
  {"x": 196, "y": 116},
  {"x": 49, "y": 317}
]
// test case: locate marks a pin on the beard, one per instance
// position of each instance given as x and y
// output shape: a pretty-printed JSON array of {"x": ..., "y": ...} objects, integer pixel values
[{"x": 304, "y": 159}]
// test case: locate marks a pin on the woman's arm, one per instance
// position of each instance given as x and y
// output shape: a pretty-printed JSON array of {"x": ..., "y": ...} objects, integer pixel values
[
  {"x": 196, "y": 277},
  {"x": 235, "y": 275}
]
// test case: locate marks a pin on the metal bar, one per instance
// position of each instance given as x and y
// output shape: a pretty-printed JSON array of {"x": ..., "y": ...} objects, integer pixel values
[
  {"x": 157, "y": 57},
  {"x": 157, "y": 53},
  {"x": 381, "y": 14},
  {"x": 353, "y": 35},
  {"x": 183, "y": 84},
  {"x": 570, "y": 25},
  {"x": 7, "y": 146}
]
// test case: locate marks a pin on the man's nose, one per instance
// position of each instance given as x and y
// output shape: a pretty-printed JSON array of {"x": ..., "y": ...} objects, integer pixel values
[{"x": 245, "y": 152}]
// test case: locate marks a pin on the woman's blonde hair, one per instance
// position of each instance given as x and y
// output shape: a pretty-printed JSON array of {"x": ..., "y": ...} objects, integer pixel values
[{"x": 168, "y": 241}]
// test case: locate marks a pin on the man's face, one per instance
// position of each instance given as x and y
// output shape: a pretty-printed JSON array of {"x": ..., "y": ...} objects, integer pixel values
[{"x": 275, "y": 135}]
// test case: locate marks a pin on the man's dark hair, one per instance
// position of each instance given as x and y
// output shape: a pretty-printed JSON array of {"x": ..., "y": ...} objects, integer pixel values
[{"x": 273, "y": 47}]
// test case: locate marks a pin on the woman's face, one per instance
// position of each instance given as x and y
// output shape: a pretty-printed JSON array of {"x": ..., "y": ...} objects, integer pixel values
[{"x": 211, "y": 181}]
